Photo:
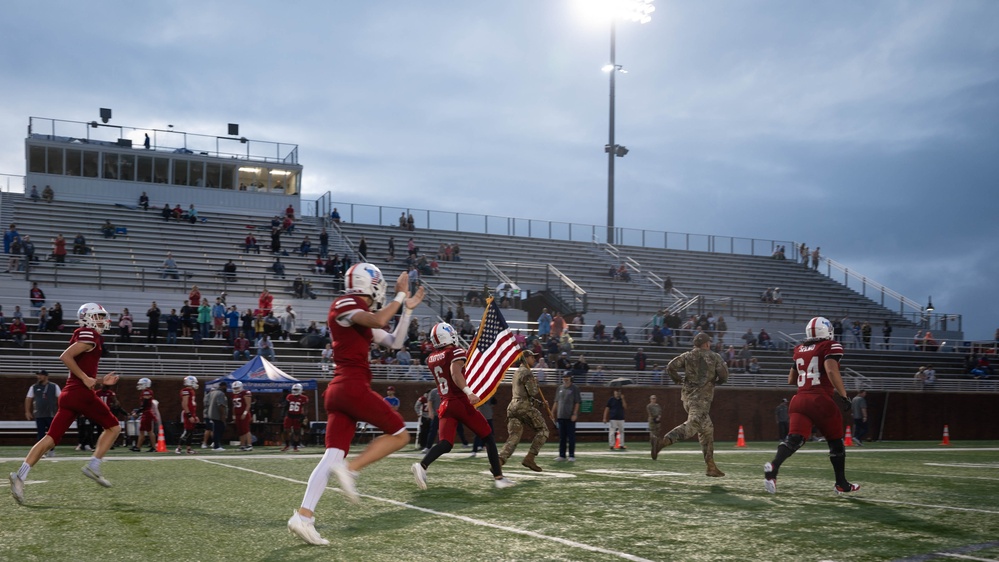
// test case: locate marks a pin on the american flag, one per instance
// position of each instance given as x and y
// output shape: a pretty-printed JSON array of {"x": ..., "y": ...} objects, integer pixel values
[{"x": 492, "y": 352}]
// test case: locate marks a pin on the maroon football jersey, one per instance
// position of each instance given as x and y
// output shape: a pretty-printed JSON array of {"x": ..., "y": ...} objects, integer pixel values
[
  {"x": 296, "y": 405},
  {"x": 350, "y": 343},
  {"x": 192, "y": 396},
  {"x": 88, "y": 360},
  {"x": 810, "y": 359},
  {"x": 240, "y": 402},
  {"x": 439, "y": 364},
  {"x": 146, "y": 398},
  {"x": 107, "y": 396}
]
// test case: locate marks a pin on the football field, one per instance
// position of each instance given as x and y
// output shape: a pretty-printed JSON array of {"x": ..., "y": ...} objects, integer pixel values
[{"x": 919, "y": 501}]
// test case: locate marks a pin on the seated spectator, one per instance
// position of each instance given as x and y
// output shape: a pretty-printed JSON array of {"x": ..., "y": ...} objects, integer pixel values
[
  {"x": 930, "y": 375},
  {"x": 298, "y": 287},
  {"x": 985, "y": 367},
  {"x": 580, "y": 369},
  {"x": 917, "y": 341},
  {"x": 34, "y": 194},
  {"x": 192, "y": 214},
  {"x": 288, "y": 225},
  {"x": 731, "y": 361},
  {"x": 265, "y": 348},
  {"x": 767, "y": 296},
  {"x": 278, "y": 268},
  {"x": 640, "y": 359},
  {"x": 402, "y": 220},
  {"x": 920, "y": 378},
  {"x": 18, "y": 331},
  {"x": 144, "y": 201},
  {"x": 80, "y": 245},
  {"x": 435, "y": 268},
  {"x": 250, "y": 244},
  {"x": 745, "y": 357},
  {"x": 43, "y": 320},
  {"x": 290, "y": 212},
  {"x": 108, "y": 229},
  {"x": 229, "y": 272},
  {"x": 620, "y": 334},
  {"x": 775, "y": 297},
  {"x": 667, "y": 336},
  {"x": 565, "y": 343},
  {"x": 754, "y": 366},
  {"x": 318, "y": 266},
  {"x": 335, "y": 215},
  {"x": 623, "y": 274},
  {"x": 169, "y": 267},
  {"x": 241, "y": 347},
  {"x": 166, "y": 213},
  {"x": 410, "y": 223},
  {"x": 47, "y": 194},
  {"x": 598, "y": 332},
  {"x": 763, "y": 340},
  {"x": 455, "y": 252},
  {"x": 930, "y": 343},
  {"x": 305, "y": 247},
  {"x": 178, "y": 212},
  {"x": 749, "y": 338}
]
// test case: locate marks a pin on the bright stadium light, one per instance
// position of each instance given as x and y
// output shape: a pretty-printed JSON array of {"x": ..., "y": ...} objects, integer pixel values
[{"x": 612, "y": 11}]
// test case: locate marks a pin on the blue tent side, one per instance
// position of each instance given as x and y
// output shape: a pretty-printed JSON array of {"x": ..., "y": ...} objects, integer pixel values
[{"x": 259, "y": 375}]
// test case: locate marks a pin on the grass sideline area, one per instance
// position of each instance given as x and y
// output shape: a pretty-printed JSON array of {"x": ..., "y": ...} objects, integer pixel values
[{"x": 919, "y": 501}]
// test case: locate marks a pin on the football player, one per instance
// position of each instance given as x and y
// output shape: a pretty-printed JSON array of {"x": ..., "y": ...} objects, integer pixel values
[
  {"x": 78, "y": 399},
  {"x": 447, "y": 365},
  {"x": 820, "y": 401},
  {"x": 355, "y": 320},
  {"x": 242, "y": 399},
  {"x": 110, "y": 397},
  {"x": 294, "y": 416},
  {"x": 146, "y": 416},
  {"x": 188, "y": 417}
]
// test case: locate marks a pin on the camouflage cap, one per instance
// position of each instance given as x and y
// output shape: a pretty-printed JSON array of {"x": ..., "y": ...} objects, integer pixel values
[{"x": 701, "y": 339}]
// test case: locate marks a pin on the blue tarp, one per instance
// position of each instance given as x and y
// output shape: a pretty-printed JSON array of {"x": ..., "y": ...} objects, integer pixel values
[{"x": 259, "y": 375}]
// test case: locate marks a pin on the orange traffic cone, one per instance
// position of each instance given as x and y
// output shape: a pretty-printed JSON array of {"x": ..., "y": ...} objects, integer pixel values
[
  {"x": 617, "y": 439},
  {"x": 946, "y": 439},
  {"x": 848, "y": 440},
  {"x": 161, "y": 441},
  {"x": 741, "y": 442}
]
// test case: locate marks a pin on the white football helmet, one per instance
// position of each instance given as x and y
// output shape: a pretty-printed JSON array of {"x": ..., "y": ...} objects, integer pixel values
[
  {"x": 818, "y": 328},
  {"x": 296, "y": 388},
  {"x": 143, "y": 384},
  {"x": 93, "y": 315},
  {"x": 366, "y": 279},
  {"x": 191, "y": 381},
  {"x": 237, "y": 387},
  {"x": 443, "y": 335}
]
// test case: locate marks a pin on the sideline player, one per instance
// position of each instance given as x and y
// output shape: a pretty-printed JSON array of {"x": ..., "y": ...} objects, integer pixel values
[
  {"x": 820, "y": 401},
  {"x": 78, "y": 399},
  {"x": 147, "y": 416},
  {"x": 188, "y": 417},
  {"x": 293, "y": 416},
  {"x": 355, "y": 320},
  {"x": 447, "y": 365},
  {"x": 242, "y": 400}
]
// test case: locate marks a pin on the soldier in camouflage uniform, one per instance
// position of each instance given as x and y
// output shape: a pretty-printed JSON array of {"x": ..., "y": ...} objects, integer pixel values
[
  {"x": 655, "y": 411},
  {"x": 521, "y": 412},
  {"x": 703, "y": 369}
]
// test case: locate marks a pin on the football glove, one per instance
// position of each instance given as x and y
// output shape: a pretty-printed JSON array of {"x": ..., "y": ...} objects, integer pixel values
[{"x": 843, "y": 403}]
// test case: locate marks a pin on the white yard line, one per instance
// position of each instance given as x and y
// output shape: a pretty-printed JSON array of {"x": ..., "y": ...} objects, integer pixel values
[{"x": 532, "y": 534}]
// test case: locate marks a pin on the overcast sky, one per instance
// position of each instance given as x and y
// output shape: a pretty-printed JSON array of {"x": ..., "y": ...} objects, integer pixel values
[{"x": 869, "y": 128}]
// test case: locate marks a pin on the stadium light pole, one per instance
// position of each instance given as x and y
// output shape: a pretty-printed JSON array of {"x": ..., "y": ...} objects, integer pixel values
[{"x": 629, "y": 10}]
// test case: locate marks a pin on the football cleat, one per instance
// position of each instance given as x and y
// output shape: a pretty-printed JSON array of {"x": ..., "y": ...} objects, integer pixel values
[
  {"x": 95, "y": 476},
  {"x": 769, "y": 478},
  {"x": 420, "y": 474},
  {"x": 285, "y": 448},
  {"x": 305, "y": 530},
  {"x": 17, "y": 488},
  {"x": 846, "y": 490},
  {"x": 504, "y": 482},
  {"x": 348, "y": 481}
]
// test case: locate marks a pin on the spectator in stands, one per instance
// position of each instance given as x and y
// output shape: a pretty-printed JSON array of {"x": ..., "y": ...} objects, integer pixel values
[
  {"x": 265, "y": 348},
  {"x": 43, "y": 320},
  {"x": 166, "y": 212},
  {"x": 241, "y": 348},
  {"x": 18, "y": 331},
  {"x": 931, "y": 376},
  {"x": 36, "y": 295},
  {"x": 886, "y": 334},
  {"x": 865, "y": 334},
  {"x": 917, "y": 341},
  {"x": 335, "y": 215},
  {"x": 305, "y": 247},
  {"x": 14, "y": 262},
  {"x": 455, "y": 252},
  {"x": 107, "y": 229},
  {"x": 276, "y": 241},
  {"x": 34, "y": 194},
  {"x": 410, "y": 223},
  {"x": 288, "y": 326},
  {"x": 803, "y": 253},
  {"x": 544, "y": 322},
  {"x": 288, "y": 226},
  {"x": 277, "y": 267},
  {"x": 218, "y": 319},
  {"x": 172, "y": 326},
  {"x": 622, "y": 273},
  {"x": 232, "y": 323},
  {"x": 169, "y": 267},
  {"x": 177, "y": 212},
  {"x": 59, "y": 249},
  {"x": 80, "y": 245},
  {"x": 250, "y": 243},
  {"x": 414, "y": 279},
  {"x": 144, "y": 201},
  {"x": 558, "y": 326},
  {"x": 775, "y": 296},
  {"x": 204, "y": 321},
  {"x": 640, "y": 359},
  {"x": 188, "y": 318},
  {"x": 290, "y": 212},
  {"x": 229, "y": 272},
  {"x": 985, "y": 366},
  {"x": 192, "y": 214},
  {"x": 565, "y": 344},
  {"x": 745, "y": 357},
  {"x": 767, "y": 296},
  {"x": 153, "y": 329},
  {"x": 754, "y": 367},
  {"x": 54, "y": 321},
  {"x": 657, "y": 374},
  {"x": 47, "y": 194},
  {"x": 763, "y": 340},
  {"x": 620, "y": 334},
  {"x": 930, "y": 342},
  {"x": 125, "y": 322},
  {"x": 265, "y": 302},
  {"x": 816, "y": 257},
  {"x": 599, "y": 330},
  {"x": 748, "y": 338}
]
